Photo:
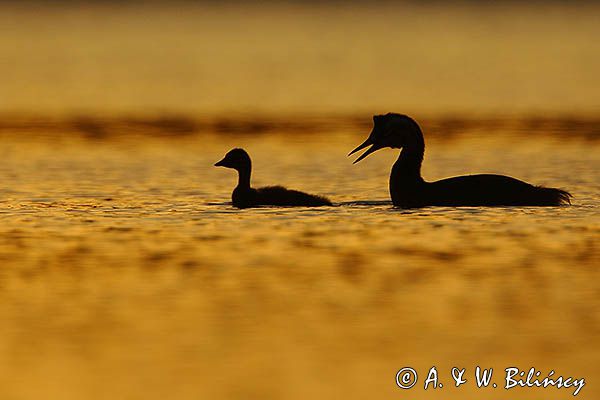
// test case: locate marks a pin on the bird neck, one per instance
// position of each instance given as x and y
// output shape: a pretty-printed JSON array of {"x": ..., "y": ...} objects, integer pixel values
[
  {"x": 244, "y": 177},
  {"x": 408, "y": 165}
]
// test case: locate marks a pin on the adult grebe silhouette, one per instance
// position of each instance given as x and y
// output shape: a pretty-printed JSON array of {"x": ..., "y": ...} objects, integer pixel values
[
  {"x": 409, "y": 190},
  {"x": 244, "y": 196}
]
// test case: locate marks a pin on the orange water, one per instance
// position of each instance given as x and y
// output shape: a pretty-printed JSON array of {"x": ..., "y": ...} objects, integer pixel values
[{"x": 126, "y": 273}]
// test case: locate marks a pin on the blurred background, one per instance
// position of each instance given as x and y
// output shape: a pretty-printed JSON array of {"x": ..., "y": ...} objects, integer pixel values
[
  {"x": 277, "y": 56},
  {"x": 126, "y": 273}
]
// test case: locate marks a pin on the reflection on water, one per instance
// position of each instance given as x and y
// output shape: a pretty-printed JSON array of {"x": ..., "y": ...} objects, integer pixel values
[{"x": 126, "y": 273}]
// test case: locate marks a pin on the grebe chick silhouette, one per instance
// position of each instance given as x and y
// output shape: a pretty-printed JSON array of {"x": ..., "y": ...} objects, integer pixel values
[
  {"x": 244, "y": 196},
  {"x": 409, "y": 190}
]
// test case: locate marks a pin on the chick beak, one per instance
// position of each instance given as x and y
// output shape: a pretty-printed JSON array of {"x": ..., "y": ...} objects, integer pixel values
[{"x": 366, "y": 143}]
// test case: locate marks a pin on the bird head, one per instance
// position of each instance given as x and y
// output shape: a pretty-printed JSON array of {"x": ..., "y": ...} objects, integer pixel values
[
  {"x": 390, "y": 130},
  {"x": 237, "y": 159}
]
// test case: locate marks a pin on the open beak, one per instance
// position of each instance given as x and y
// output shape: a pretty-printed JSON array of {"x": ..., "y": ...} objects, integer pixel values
[
  {"x": 220, "y": 163},
  {"x": 371, "y": 149}
]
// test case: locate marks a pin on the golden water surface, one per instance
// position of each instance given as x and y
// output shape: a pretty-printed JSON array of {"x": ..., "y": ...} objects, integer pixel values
[{"x": 126, "y": 273}]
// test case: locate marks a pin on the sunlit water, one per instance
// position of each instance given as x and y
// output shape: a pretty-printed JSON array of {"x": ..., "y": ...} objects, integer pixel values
[{"x": 126, "y": 273}]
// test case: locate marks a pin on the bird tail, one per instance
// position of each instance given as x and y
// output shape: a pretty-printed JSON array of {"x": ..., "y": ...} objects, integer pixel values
[{"x": 552, "y": 196}]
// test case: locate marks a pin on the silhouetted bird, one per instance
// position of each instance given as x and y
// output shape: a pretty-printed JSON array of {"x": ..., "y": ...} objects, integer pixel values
[
  {"x": 409, "y": 190},
  {"x": 245, "y": 196}
]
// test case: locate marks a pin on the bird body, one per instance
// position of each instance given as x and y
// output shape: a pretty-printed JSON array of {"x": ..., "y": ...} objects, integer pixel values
[
  {"x": 244, "y": 196},
  {"x": 474, "y": 190},
  {"x": 409, "y": 190},
  {"x": 275, "y": 196}
]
